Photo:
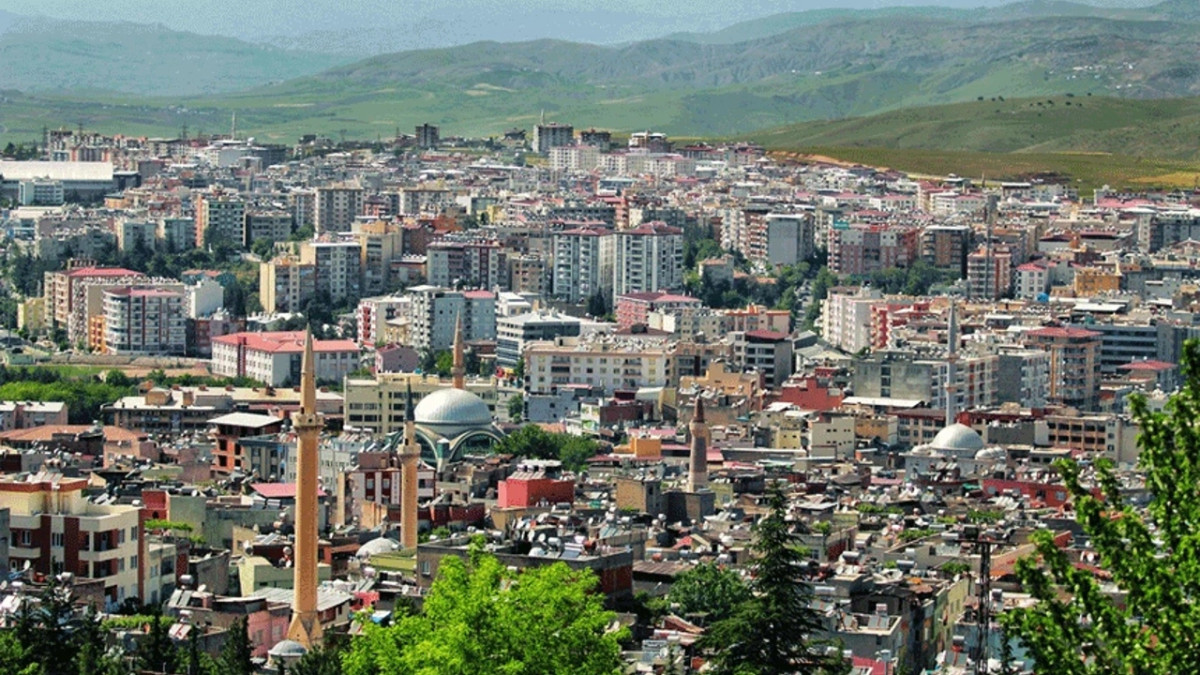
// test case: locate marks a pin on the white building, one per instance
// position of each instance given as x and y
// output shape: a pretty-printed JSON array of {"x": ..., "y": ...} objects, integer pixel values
[
  {"x": 336, "y": 207},
  {"x": 204, "y": 298},
  {"x": 583, "y": 264},
  {"x": 648, "y": 258},
  {"x": 789, "y": 238},
  {"x": 433, "y": 312},
  {"x": 144, "y": 321},
  {"x": 608, "y": 362},
  {"x": 846, "y": 320},
  {"x": 274, "y": 357}
]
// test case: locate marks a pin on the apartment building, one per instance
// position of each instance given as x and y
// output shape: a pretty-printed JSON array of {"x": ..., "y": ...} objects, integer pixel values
[
  {"x": 790, "y": 238},
  {"x": 846, "y": 318},
  {"x": 274, "y": 357},
  {"x": 1074, "y": 364},
  {"x": 382, "y": 246},
  {"x": 336, "y": 207},
  {"x": 144, "y": 321},
  {"x": 513, "y": 333},
  {"x": 373, "y": 314},
  {"x": 946, "y": 246},
  {"x": 285, "y": 284},
  {"x": 272, "y": 226},
  {"x": 433, "y": 311},
  {"x": 221, "y": 213},
  {"x": 552, "y": 135},
  {"x": 583, "y": 264},
  {"x": 337, "y": 265},
  {"x": 861, "y": 249},
  {"x": 608, "y": 363},
  {"x": 469, "y": 264},
  {"x": 648, "y": 258}
]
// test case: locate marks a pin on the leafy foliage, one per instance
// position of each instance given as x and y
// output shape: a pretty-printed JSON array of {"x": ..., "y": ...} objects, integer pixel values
[
  {"x": 771, "y": 633},
  {"x": 534, "y": 442},
  {"x": 1153, "y": 557},
  {"x": 708, "y": 589},
  {"x": 236, "y": 655},
  {"x": 480, "y": 618}
]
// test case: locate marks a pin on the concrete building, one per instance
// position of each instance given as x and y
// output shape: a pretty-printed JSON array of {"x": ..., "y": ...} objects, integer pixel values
[
  {"x": 272, "y": 226},
  {"x": 336, "y": 207},
  {"x": 608, "y": 364},
  {"x": 634, "y": 308},
  {"x": 274, "y": 358},
  {"x": 432, "y": 312},
  {"x": 513, "y": 333},
  {"x": 382, "y": 246},
  {"x": 861, "y": 249},
  {"x": 1074, "y": 364},
  {"x": 946, "y": 246},
  {"x": 648, "y": 258},
  {"x": 766, "y": 352},
  {"x": 427, "y": 136},
  {"x": 466, "y": 264},
  {"x": 337, "y": 266},
  {"x": 54, "y": 528},
  {"x": 221, "y": 213},
  {"x": 583, "y": 264},
  {"x": 79, "y": 180},
  {"x": 790, "y": 238},
  {"x": 552, "y": 135},
  {"x": 134, "y": 234},
  {"x": 846, "y": 319},
  {"x": 148, "y": 321},
  {"x": 285, "y": 284},
  {"x": 989, "y": 273}
]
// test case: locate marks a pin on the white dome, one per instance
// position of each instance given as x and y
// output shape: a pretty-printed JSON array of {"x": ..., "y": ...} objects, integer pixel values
[
  {"x": 991, "y": 455},
  {"x": 452, "y": 407},
  {"x": 376, "y": 546},
  {"x": 959, "y": 439},
  {"x": 286, "y": 648}
]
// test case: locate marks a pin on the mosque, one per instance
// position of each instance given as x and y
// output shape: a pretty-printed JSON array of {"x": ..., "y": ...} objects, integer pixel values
[{"x": 451, "y": 423}]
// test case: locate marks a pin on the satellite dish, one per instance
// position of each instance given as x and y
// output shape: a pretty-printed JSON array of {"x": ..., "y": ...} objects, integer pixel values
[{"x": 203, "y": 587}]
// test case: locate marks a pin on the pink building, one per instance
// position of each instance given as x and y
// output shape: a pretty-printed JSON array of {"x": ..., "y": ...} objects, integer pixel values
[
  {"x": 635, "y": 308},
  {"x": 536, "y": 482}
]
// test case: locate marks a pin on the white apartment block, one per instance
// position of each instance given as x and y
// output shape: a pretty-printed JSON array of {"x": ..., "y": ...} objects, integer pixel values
[
  {"x": 609, "y": 363},
  {"x": 144, "y": 321},
  {"x": 648, "y": 258},
  {"x": 373, "y": 315},
  {"x": 846, "y": 317},
  {"x": 274, "y": 358},
  {"x": 336, "y": 207},
  {"x": 583, "y": 264},
  {"x": 433, "y": 312},
  {"x": 338, "y": 267},
  {"x": 789, "y": 238}
]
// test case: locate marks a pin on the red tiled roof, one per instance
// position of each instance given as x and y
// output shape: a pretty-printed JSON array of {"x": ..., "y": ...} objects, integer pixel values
[
  {"x": 103, "y": 272},
  {"x": 280, "y": 490},
  {"x": 283, "y": 341},
  {"x": 1147, "y": 365},
  {"x": 766, "y": 335},
  {"x": 49, "y": 431}
]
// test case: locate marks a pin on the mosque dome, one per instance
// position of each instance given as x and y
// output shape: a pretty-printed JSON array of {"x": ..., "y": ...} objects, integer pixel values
[
  {"x": 991, "y": 455},
  {"x": 287, "y": 649},
  {"x": 375, "y": 547},
  {"x": 452, "y": 408},
  {"x": 959, "y": 439}
]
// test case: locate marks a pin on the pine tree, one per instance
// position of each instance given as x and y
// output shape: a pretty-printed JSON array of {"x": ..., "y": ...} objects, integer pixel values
[
  {"x": 157, "y": 653},
  {"x": 772, "y": 632},
  {"x": 238, "y": 651}
]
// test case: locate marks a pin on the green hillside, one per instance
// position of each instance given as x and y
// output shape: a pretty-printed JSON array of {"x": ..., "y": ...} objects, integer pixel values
[
  {"x": 840, "y": 68},
  {"x": 1093, "y": 140},
  {"x": 44, "y": 55}
]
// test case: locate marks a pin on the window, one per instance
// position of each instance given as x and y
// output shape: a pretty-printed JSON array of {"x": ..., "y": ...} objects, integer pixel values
[
  {"x": 133, "y": 562},
  {"x": 56, "y": 539},
  {"x": 26, "y": 538}
]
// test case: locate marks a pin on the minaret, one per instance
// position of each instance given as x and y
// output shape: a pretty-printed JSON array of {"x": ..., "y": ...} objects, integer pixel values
[
  {"x": 410, "y": 459},
  {"x": 951, "y": 364},
  {"x": 306, "y": 625},
  {"x": 458, "y": 371},
  {"x": 698, "y": 460}
]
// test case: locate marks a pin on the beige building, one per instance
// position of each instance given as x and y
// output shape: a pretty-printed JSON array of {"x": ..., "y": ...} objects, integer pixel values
[
  {"x": 377, "y": 404},
  {"x": 285, "y": 284},
  {"x": 607, "y": 362}
]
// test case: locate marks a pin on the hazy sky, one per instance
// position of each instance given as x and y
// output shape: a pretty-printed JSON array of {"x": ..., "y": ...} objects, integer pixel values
[{"x": 452, "y": 21}]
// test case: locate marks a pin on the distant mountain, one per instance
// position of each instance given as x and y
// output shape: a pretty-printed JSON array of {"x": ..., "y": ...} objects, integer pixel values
[
  {"x": 848, "y": 64},
  {"x": 48, "y": 55}
]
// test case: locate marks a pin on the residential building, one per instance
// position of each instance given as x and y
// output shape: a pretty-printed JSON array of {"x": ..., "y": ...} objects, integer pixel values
[
  {"x": 766, "y": 352},
  {"x": 846, "y": 319},
  {"x": 861, "y": 249},
  {"x": 648, "y": 258},
  {"x": 635, "y": 308},
  {"x": 337, "y": 266},
  {"x": 382, "y": 245},
  {"x": 583, "y": 264},
  {"x": 336, "y": 207},
  {"x": 552, "y": 135},
  {"x": 989, "y": 273},
  {"x": 272, "y": 226},
  {"x": 427, "y": 136},
  {"x": 513, "y": 333},
  {"x": 946, "y": 246},
  {"x": 1074, "y": 364},
  {"x": 274, "y": 357},
  {"x": 433, "y": 312},
  {"x": 285, "y": 284},
  {"x": 790, "y": 238},
  {"x": 468, "y": 264},
  {"x": 606, "y": 363},
  {"x": 220, "y": 217},
  {"x": 144, "y": 321}
]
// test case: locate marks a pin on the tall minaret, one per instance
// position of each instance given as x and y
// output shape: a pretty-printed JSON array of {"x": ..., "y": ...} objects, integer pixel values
[
  {"x": 459, "y": 370},
  {"x": 410, "y": 459},
  {"x": 951, "y": 364},
  {"x": 698, "y": 460},
  {"x": 306, "y": 625}
]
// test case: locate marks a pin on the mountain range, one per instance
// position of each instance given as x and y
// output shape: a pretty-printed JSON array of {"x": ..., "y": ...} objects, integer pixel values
[{"x": 754, "y": 75}]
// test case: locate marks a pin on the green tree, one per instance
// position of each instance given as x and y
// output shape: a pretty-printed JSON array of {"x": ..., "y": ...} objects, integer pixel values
[
  {"x": 481, "y": 618},
  {"x": 596, "y": 306},
  {"x": 157, "y": 653},
  {"x": 236, "y": 654},
  {"x": 708, "y": 589},
  {"x": 516, "y": 407},
  {"x": 263, "y": 247},
  {"x": 444, "y": 363},
  {"x": 16, "y": 656},
  {"x": 1152, "y": 625},
  {"x": 771, "y": 633}
]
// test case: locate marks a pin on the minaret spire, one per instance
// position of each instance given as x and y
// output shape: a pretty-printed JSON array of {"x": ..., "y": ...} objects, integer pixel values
[
  {"x": 410, "y": 457},
  {"x": 459, "y": 370},
  {"x": 698, "y": 459},
  {"x": 306, "y": 624},
  {"x": 951, "y": 364}
]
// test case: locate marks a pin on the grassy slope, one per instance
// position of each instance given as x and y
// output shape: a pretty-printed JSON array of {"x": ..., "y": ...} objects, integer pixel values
[{"x": 1094, "y": 140}]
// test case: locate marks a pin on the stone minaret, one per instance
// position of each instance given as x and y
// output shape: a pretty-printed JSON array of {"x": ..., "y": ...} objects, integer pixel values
[
  {"x": 410, "y": 459},
  {"x": 306, "y": 625},
  {"x": 698, "y": 460},
  {"x": 459, "y": 370},
  {"x": 952, "y": 365}
]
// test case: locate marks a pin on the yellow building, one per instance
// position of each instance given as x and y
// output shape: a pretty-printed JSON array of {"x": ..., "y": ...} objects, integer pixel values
[
  {"x": 95, "y": 335},
  {"x": 641, "y": 447},
  {"x": 31, "y": 314},
  {"x": 1096, "y": 281},
  {"x": 377, "y": 404}
]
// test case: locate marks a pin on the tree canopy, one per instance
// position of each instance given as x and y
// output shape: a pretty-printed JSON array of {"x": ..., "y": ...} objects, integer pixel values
[
  {"x": 480, "y": 618},
  {"x": 1153, "y": 625},
  {"x": 536, "y": 443},
  {"x": 708, "y": 589},
  {"x": 772, "y": 631}
]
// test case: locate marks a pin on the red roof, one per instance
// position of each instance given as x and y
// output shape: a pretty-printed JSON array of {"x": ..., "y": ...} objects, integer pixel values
[
  {"x": 283, "y": 341},
  {"x": 1147, "y": 365},
  {"x": 478, "y": 295},
  {"x": 766, "y": 335},
  {"x": 103, "y": 272},
  {"x": 279, "y": 490}
]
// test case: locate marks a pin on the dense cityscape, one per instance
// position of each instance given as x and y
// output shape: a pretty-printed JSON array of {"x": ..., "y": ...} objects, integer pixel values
[{"x": 569, "y": 400}]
